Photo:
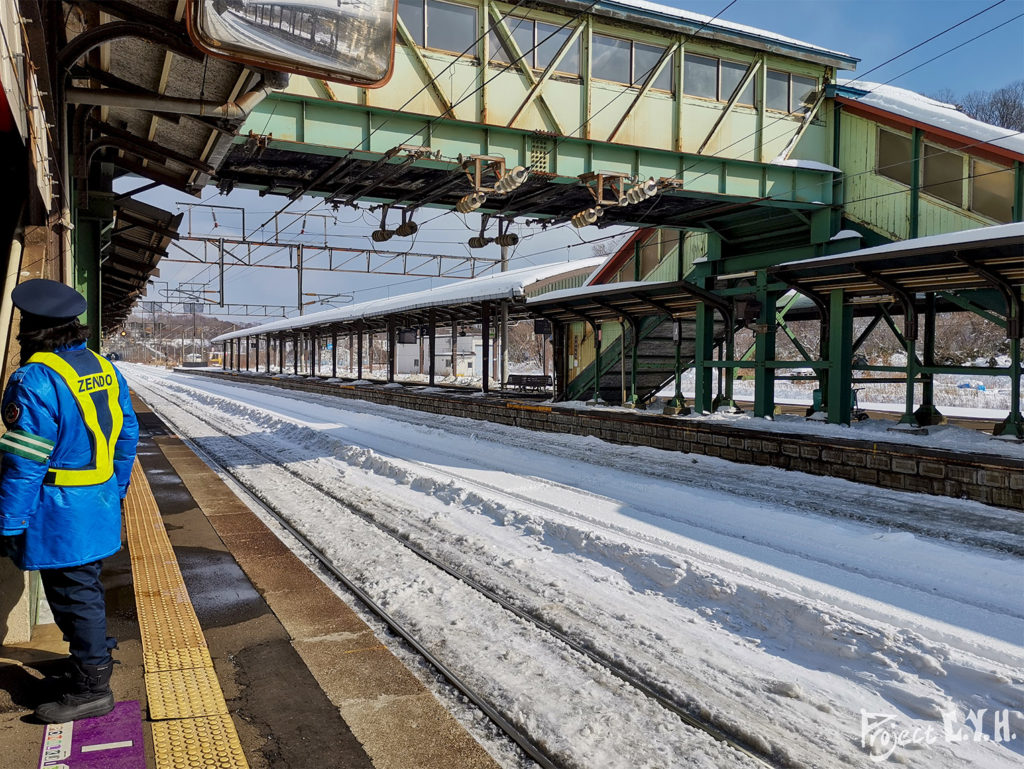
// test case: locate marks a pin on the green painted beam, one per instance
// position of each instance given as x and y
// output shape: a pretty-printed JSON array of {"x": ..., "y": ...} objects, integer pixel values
[{"x": 343, "y": 129}]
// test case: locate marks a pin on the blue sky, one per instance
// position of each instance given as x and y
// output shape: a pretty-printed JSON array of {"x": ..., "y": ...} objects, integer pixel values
[
  {"x": 872, "y": 30},
  {"x": 876, "y": 30}
]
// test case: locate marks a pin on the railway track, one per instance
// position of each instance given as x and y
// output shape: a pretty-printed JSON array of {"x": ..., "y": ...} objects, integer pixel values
[{"x": 757, "y": 752}]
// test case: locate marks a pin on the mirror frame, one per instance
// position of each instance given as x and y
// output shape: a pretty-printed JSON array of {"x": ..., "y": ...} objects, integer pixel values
[{"x": 254, "y": 61}]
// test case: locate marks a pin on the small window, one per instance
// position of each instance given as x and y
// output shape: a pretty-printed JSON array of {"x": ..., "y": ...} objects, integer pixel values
[
  {"x": 700, "y": 76},
  {"x": 610, "y": 59},
  {"x": 450, "y": 27},
  {"x": 411, "y": 13},
  {"x": 777, "y": 92},
  {"x": 803, "y": 92},
  {"x": 732, "y": 76},
  {"x": 943, "y": 175},
  {"x": 550, "y": 40},
  {"x": 992, "y": 190},
  {"x": 645, "y": 59},
  {"x": 522, "y": 32},
  {"x": 894, "y": 157}
]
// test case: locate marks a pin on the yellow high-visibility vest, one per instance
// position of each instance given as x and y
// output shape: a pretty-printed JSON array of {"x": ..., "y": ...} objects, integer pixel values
[{"x": 89, "y": 390}]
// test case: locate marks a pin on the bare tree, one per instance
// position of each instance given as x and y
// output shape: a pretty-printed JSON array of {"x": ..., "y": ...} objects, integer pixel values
[{"x": 1002, "y": 107}]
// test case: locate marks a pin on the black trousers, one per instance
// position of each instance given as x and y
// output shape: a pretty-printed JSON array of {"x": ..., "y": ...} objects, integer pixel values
[{"x": 76, "y": 598}]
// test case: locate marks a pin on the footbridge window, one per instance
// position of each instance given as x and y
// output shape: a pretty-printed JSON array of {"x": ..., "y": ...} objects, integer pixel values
[
  {"x": 894, "y": 157},
  {"x": 539, "y": 42},
  {"x": 625, "y": 61},
  {"x": 439, "y": 24},
  {"x": 787, "y": 92},
  {"x": 992, "y": 190},
  {"x": 710, "y": 78}
]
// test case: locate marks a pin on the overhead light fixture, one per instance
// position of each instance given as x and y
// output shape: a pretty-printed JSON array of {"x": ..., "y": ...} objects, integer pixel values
[
  {"x": 471, "y": 202},
  {"x": 586, "y": 217},
  {"x": 639, "y": 193},
  {"x": 512, "y": 180}
]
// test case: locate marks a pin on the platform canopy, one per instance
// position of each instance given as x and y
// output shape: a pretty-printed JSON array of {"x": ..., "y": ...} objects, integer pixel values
[
  {"x": 987, "y": 257},
  {"x": 459, "y": 302},
  {"x": 610, "y": 302}
]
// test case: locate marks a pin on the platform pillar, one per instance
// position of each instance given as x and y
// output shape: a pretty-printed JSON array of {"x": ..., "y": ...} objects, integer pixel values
[
  {"x": 432, "y": 338},
  {"x": 703, "y": 353},
  {"x": 677, "y": 406},
  {"x": 359, "y": 353},
  {"x": 391, "y": 350},
  {"x": 1013, "y": 425},
  {"x": 725, "y": 398},
  {"x": 558, "y": 356},
  {"x": 597, "y": 361},
  {"x": 455, "y": 350},
  {"x": 840, "y": 355},
  {"x": 485, "y": 332},
  {"x": 928, "y": 414},
  {"x": 764, "y": 351}
]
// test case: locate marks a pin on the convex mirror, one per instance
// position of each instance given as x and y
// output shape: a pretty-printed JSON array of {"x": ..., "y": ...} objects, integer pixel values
[{"x": 347, "y": 41}]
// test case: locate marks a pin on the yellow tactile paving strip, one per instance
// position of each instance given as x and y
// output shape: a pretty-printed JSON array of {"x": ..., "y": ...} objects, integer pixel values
[{"x": 192, "y": 728}]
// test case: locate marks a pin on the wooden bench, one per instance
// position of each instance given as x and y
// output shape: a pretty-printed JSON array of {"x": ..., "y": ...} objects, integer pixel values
[{"x": 523, "y": 382}]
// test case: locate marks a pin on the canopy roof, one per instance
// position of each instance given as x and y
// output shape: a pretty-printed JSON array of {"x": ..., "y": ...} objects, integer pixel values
[
  {"x": 469, "y": 294},
  {"x": 981, "y": 258}
]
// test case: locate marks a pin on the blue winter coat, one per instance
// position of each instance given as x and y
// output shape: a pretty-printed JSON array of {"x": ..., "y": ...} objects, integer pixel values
[{"x": 60, "y": 526}]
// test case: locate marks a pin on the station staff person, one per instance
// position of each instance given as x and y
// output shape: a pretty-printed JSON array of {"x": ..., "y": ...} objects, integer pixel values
[{"x": 65, "y": 466}]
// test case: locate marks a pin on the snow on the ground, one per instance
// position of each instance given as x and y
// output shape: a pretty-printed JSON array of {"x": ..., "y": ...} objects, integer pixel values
[{"x": 735, "y": 587}]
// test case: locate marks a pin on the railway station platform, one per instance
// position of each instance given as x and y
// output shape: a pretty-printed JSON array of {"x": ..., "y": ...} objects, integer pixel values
[
  {"x": 991, "y": 478},
  {"x": 232, "y": 653}
]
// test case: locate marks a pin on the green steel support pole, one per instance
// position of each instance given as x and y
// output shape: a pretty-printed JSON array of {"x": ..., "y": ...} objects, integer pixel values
[
  {"x": 295, "y": 355},
  {"x": 1018, "y": 191},
  {"x": 840, "y": 354},
  {"x": 678, "y": 403},
  {"x": 908, "y": 417},
  {"x": 485, "y": 333},
  {"x": 1013, "y": 425},
  {"x": 359, "y": 354},
  {"x": 558, "y": 355},
  {"x": 281, "y": 344},
  {"x": 915, "y": 181},
  {"x": 634, "y": 357},
  {"x": 597, "y": 362},
  {"x": 704, "y": 351},
  {"x": 432, "y": 339},
  {"x": 927, "y": 414},
  {"x": 726, "y": 398},
  {"x": 391, "y": 351},
  {"x": 764, "y": 344},
  {"x": 334, "y": 355}
]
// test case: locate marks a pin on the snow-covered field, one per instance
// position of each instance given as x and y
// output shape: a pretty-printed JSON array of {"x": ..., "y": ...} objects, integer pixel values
[{"x": 736, "y": 588}]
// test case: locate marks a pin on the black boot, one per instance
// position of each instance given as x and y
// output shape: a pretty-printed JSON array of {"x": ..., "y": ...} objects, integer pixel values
[{"x": 89, "y": 695}]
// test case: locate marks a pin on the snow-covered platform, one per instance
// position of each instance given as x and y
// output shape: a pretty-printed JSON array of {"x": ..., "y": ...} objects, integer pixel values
[{"x": 989, "y": 472}]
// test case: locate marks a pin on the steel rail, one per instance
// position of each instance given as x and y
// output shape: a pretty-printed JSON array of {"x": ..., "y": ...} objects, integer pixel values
[
  {"x": 513, "y": 732},
  {"x": 738, "y": 743}
]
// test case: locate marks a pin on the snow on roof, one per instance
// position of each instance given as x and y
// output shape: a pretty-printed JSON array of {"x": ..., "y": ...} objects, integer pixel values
[
  {"x": 909, "y": 104},
  {"x": 701, "y": 19},
  {"x": 597, "y": 288},
  {"x": 502, "y": 285},
  {"x": 978, "y": 235},
  {"x": 813, "y": 165}
]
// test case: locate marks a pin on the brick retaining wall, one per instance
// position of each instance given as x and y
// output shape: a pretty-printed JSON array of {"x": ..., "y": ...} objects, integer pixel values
[{"x": 988, "y": 478}]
